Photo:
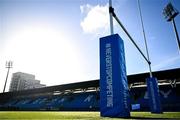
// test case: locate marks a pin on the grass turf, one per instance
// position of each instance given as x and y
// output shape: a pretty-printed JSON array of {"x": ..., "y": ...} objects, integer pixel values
[{"x": 21, "y": 115}]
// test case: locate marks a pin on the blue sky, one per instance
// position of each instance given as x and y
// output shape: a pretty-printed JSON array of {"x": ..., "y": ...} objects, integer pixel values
[{"x": 58, "y": 40}]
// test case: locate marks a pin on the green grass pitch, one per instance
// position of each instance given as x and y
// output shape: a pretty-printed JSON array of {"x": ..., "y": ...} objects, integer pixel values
[{"x": 22, "y": 115}]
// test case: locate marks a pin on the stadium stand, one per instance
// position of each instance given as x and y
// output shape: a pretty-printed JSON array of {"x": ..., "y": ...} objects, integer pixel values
[{"x": 84, "y": 96}]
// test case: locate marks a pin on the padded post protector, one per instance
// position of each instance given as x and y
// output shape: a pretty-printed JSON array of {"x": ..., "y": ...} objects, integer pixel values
[
  {"x": 153, "y": 95},
  {"x": 114, "y": 91}
]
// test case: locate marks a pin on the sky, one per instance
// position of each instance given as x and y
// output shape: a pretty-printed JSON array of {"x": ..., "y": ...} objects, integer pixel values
[{"x": 58, "y": 40}]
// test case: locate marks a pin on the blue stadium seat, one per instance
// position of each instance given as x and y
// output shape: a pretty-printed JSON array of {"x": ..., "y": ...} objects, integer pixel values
[{"x": 170, "y": 99}]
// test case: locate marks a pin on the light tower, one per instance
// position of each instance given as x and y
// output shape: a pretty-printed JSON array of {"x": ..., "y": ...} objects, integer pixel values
[
  {"x": 170, "y": 13},
  {"x": 8, "y": 66}
]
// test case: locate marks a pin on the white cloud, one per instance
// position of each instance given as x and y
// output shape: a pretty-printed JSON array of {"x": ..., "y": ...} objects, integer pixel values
[
  {"x": 96, "y": 19},
  {"x": 85, "y": 8}
]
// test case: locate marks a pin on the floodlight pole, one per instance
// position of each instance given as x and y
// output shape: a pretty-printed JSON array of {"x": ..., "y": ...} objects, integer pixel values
[
  {"x": 145, "y": 40},
  {"x": 170, "y": 13},
  {"x": 8, "y": 66},
  {"x": 176, "y": 33},
  {"x": 111, "y": 18}
]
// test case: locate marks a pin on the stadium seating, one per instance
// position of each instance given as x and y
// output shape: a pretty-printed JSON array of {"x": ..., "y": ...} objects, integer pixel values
[
  {"x": 82, "y": 101},
  {"x": 170, "y": 99}
]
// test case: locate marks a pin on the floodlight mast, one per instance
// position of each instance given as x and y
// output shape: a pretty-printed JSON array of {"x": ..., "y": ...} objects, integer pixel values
[
  {"x": 8, "y": 66},
  {"x": 170, "y": 13},
  {"x": 176, "y": 33}
]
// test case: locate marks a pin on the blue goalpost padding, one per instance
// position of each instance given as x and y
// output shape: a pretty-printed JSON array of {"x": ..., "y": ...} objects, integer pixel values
[
  {"x": 114, "y": 91},
  {"x": 153, "y": 95}
]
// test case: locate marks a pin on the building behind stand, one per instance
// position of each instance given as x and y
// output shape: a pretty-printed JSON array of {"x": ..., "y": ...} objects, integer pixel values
[{"x": 24, "y": 81}]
